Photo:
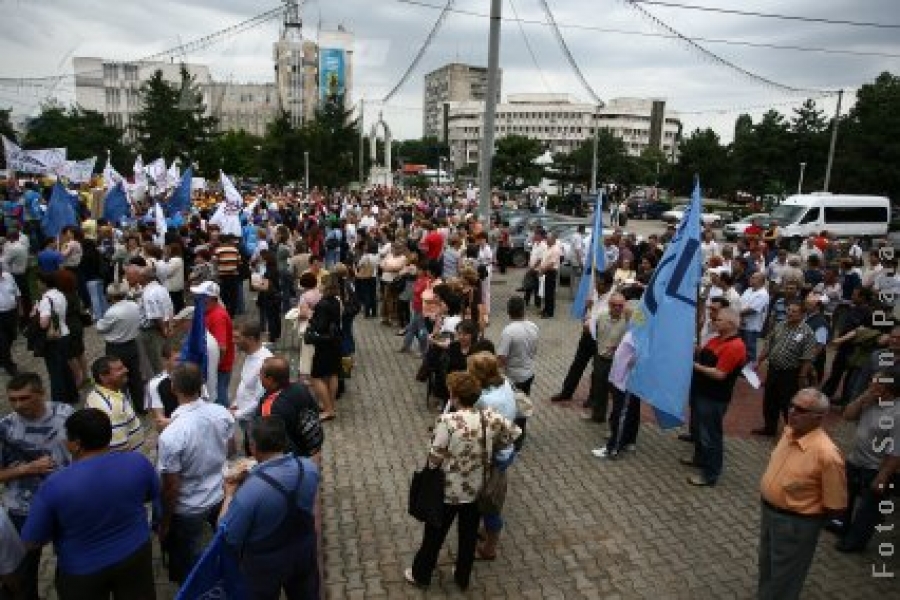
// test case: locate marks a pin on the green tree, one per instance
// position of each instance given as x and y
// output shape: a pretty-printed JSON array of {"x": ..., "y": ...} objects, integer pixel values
[
  {"x": 84, "y": 133},
  {"x": 762, "y": 159},
  {"x": 236, "y": 152},
  {"x": 702, "y": 154},
  {"x": 513, "y": 164},
  {"x": 332, "y": 140},
  {"x": 613, "y": 163},
  {"x": 425, "y": 151},
  {"x": 6, "y": 127},
  {"x": 867, "y": 152},
  {"x": 810, "y": 130},
  {"x": 172, "y": 122}
]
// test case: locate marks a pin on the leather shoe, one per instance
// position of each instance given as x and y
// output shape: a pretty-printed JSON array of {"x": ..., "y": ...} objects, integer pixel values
[
  {"x": 686, "y": 437},
  {"x": 559, "y": 398},
  {"x": 764, "y": 432},
  {"x": 700, "y": 481}
]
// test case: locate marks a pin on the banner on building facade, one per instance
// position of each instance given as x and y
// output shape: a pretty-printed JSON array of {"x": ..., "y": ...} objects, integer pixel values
[{"x": 332, "y": 74}]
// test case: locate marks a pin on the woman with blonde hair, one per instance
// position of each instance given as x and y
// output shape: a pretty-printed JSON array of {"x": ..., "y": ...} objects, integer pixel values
[{"x": 496, "y": 394}]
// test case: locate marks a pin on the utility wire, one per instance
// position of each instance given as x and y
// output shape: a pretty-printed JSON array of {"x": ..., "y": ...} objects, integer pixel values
[
  {"x": 579, "y": 26},
  {"x": 568, "y": 54},
  {"x": 715, "y": 57},
  {"x": 421, "y": 53},
  {"x": 743, "y": 13},
  {"x": 512, "y": 5}
]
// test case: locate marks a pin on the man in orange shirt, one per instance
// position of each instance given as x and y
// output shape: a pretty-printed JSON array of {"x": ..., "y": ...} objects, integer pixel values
[{"x": 804, "y": 483}]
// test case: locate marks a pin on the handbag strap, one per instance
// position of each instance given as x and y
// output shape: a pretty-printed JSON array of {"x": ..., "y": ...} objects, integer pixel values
[{"x": 485, "y": 463}]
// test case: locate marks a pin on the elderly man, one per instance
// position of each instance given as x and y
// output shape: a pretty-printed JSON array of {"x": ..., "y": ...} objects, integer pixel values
[
  {"x": 156, "y": 315},
  {"x": 754, "y": 306},
  {"x": 270, "y": 518},
  {"x": 119, "y": 327},
  {"x": 219, "y": 324},
  {"x": 609, "y": 328},
  {"x": 192, "y": 454},
  {"x": 32, "y": 446},
  {"x": 716, "y": 369},
  {"x": 110, "y": 395},
  {"x": 531, "y": 285},
  {"x": 803, "y": 483},
  {"x": 294, "y": 403},
  {"x": 790, "y": 350}
]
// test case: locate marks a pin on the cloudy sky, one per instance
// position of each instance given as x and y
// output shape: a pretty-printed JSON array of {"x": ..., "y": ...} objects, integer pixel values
[{"x": 41, "y": 36}]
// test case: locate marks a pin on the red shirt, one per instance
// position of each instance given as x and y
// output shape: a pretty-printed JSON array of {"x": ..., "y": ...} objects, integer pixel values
[
  {"x": 434, "y": 244},
  {"x": 730, "y": 353},
  {"x": 753, "y": 231},
  {"x": 218, "y": 322},
  {"x": 821, "y": 243}
]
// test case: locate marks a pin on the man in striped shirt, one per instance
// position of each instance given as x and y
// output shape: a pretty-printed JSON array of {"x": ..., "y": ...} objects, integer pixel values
[
  {"x": 110, "y": 396},
  {"x": 228, "y": 260}
]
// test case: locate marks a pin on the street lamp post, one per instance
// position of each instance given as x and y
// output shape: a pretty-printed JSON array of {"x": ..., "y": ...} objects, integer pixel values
[
  {"x": 306, "y": 170},
  {"x": 800, "y": 182}
]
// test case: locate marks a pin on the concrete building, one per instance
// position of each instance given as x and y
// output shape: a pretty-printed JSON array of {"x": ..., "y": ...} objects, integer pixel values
[
  {"x": 243, "y": 106},
  {"x": 561, "y": 123},
  {"x": 453, "y": 83},
  {"x": 113, "y": 88}
]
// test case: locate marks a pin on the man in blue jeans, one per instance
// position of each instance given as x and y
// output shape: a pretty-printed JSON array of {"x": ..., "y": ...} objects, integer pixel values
[{"x": 716, "y": 369}]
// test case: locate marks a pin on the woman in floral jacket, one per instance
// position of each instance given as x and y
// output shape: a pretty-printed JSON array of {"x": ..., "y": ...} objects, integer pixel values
[{"x": 458, "y": 448}]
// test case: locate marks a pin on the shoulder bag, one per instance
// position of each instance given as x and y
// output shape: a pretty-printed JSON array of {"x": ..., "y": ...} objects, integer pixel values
[
  {"x": 426, "y": 495},
  {"x": 492, "y": 495}
]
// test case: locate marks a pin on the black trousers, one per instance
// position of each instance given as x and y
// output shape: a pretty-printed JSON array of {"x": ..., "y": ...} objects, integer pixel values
[
  {"x": 62, "y": 380},
  {"x": 624, "y": 420},
  {"x": 177, "y": 300},
  {"x": 550, "y": 280},
  {"x": 128, "y": 353},
  {"x": 600, "y": 387},
  {"x": 365, "y": 291},
  {"x": 9, "y": 328},
  {"x": 28, "y": 570},
  {"x": 587, "y": 348},
  {"x": 781, "y": 385},
  {"x": 25, "y": 291},
  {"x": 230, "y": 285},
  {"x": 433, "y": 539},
  {"x": 129, "y": 579}
]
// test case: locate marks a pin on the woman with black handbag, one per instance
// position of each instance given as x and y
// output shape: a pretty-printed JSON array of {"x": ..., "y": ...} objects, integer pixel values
[
  {"x": 459, "y": 447},
  {"x": 324, "y": 332},
  {"x": 50, "y": 313}
]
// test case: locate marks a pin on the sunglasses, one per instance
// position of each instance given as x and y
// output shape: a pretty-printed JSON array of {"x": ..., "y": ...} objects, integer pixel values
[{"x": 803, "y": 411}]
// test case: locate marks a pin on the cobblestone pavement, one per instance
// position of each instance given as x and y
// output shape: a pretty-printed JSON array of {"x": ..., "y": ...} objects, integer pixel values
[{"x": 577, "y": 527}]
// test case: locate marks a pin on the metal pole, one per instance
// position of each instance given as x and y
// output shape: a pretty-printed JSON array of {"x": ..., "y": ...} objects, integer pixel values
[
  {"x": 800, "y": 183},
  {"x": 306, "y": 170},
  {"x": 490, "y": 107},
  {"x": 362, "y": 141},
  {"x": 594, "y": 160},
  {"x": 834, "y": 131}
]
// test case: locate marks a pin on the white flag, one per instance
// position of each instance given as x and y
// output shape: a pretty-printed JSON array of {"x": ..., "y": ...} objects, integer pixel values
[
  {"x": 173, "y": 177},
  {"x": 157, "y": 172},
  {"x": 78, "y": 171},
  {"x": 161, "y": 225},
  {"x": 110, "y": 176},
  {"x": 140, "y": 177},
  {"x": 227, "y": 215}
]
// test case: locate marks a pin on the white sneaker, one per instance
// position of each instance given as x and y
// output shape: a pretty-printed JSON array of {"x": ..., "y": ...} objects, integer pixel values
[{"x": 602, "y": 453}]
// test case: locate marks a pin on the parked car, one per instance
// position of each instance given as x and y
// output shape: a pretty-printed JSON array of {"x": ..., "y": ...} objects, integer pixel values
[
  {"x": 643, "y": 208},
  {"x": 676, "y": 214},
  {"x": 736, "y": 230},
  {"x": 521, "y": 228}
]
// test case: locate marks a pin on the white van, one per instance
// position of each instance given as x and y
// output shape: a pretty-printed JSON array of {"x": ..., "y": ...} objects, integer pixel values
[{"x": 841, "y": 215}]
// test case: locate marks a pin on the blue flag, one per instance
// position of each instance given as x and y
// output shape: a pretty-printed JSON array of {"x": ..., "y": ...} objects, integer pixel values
[
  {"x": 194, "y": 348},
  {"x": 115, "y": 205},
  {"x": 216, "y": 574},
  {"x": 595, "y": 258},
  {"x": 664, "y": 325},
  {"x": 59, "y": 212},
  {"x": 181, "y": 197}
]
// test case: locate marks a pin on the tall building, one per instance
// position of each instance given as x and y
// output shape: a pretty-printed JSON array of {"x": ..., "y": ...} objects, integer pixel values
[
  {"x": 454, "y": 82},
  {"x": 292, "y": 64},
  {"x": 561, "y": 123},
  {"x": 113, "y": 88},
  {"x": 243, "y": 106}
]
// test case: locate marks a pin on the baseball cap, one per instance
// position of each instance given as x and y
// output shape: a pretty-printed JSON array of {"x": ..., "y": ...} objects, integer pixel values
[
  {"x": 184, "y": 314},
  {"x": 207, "y": 288}
]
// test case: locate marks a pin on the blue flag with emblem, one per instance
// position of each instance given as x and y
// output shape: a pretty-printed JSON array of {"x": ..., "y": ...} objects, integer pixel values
[
  {"x": 216, "y": 574},
  {"x": 594, "y": 261},
  {"x": 115, "y": 205},
  {"x": 181, "y": 197},
  {"x": 194, "y": 348},
  {"x": 664, "y": 324},
  {"x": 59, "y": 212}
]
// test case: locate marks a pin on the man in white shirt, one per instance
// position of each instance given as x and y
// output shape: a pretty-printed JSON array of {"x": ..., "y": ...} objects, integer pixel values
[
  {"x": 538, "y": 249},
  {"x": 10, "y": 310},
  {"x": 250, "y": 388},
  {"x": 157, "y": 311},
  {"x": 549, "y": 270},
  {"x": 754, "y": 307},
  {"x": 191, "y": 461},
  {"x": 15, "y": 261}
]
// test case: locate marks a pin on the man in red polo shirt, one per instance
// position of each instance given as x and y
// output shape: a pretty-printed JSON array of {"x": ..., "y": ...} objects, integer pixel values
[
  {"x": 433, "y": 242},
  {"x": 753, "y": 234},
  {"x": 218, "y": 323},
  {"x": 716, "y": 370}
]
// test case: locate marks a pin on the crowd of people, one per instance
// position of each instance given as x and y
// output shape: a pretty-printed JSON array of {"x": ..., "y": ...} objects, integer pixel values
[{"x": 311, "y": 265}]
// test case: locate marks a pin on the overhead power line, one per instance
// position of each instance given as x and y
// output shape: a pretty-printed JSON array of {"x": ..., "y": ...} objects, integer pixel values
[
  {"x": 650, "y": 34},
  {"x": 421, "y": 53},
  {"x": 568, "y": 54},
  {"x": 512, "y": 6},
  {"x": 715, "y": 57},
  {"x": 743, "y": 13}
]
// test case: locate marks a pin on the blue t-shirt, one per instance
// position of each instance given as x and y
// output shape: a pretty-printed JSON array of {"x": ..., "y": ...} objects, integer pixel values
[
  {"x": 93, "y": 511},
  {"x": 49, "y": 260},
  {"x": 257, "y": 508}
]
